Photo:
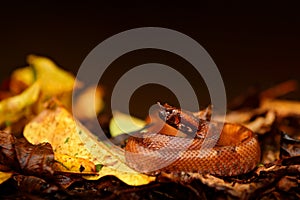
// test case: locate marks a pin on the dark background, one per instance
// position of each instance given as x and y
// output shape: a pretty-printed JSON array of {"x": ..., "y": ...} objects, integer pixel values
[{"x": 251, "y": 43}]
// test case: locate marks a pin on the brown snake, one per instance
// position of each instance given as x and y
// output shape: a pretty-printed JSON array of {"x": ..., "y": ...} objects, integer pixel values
[{"x": 179, "y": 146}]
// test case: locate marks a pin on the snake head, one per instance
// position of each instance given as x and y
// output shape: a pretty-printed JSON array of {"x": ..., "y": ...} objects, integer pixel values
[
  {"x": 183, "y": 120},
  {"x": 169, "y": 114}
]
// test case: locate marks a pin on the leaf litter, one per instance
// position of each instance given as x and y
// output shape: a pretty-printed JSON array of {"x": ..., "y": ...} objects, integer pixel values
[{"x": 54, "y": 157}]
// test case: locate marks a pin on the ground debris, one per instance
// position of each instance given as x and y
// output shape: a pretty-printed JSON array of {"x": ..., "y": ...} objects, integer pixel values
[{"x": 276, "y": 122}]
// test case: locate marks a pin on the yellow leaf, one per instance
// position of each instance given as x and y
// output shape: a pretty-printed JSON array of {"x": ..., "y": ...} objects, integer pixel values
[
  {"x": 59, "y": 128},
  {"x": 134, "y": 179},
  {"x": 21, "y": 79},
  {"x": 123, "y": 123},
  {"x": 93, "y": 97},
  {"x": 73, "y": 164},
  {"x": 25, "y": 75},
  {"x": 4, "y": 176},
  {"x": 13, "y": 108},
  {"x": 53, "y": 79}
]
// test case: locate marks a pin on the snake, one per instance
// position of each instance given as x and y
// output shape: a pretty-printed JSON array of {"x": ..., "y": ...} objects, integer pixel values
[{"x": 178, "y": 141}]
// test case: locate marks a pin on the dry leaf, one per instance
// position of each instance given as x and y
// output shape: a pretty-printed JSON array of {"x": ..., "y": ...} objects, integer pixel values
[
  {"x": 14, "y": 108},
  {"x": 53, "y": 79},
  {"x": 130, "y": 178},
  {"x": 282, "y": 108},
  {"x": 4, "y": 176},
  {"x": 34, "y": 85},
  {"x": 65, "y": 163},
  {"x": 125, "y": 124},
  {"x": 33, "y": 184},
  {"x": 21, "y": 79},
  {"x": 70, "y": 138},
  {"x": 93, "y": 97}
]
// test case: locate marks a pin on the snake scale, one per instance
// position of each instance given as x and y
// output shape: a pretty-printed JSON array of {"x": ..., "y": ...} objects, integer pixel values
[{"x": 184, "y": 144}]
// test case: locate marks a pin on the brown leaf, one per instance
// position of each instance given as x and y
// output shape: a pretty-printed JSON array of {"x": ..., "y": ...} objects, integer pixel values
[
  {"x": 279, "y": 90},
  {"x": 33, "y": 184},
  {"x": 23, "y": 159},
  {"x": 270, "y": 145},
  {"x": 35, "y": 159},
  {"x": 66, "y": 179},
  {"x": 287, "y": 183},
  {"x": 8, "y": 160},
  {"x": 282, "y": 108},
  {"x": 289, "y": 146},
  {"x": 290, "y": 125},
  {"x": 21, "y": 156}
]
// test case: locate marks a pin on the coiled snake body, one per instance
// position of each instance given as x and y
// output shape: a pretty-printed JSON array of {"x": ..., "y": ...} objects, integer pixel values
[{"x": 172, "y": 149}]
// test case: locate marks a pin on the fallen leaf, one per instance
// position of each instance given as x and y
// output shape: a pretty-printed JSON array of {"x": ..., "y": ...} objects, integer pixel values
[
  {"x": 279, "y": 90},
  {"x": 120, "y": 124},
  {"x": 66, "y": 179},
  {"x": 59, "y": 128},
  {"x": 287, "y": 183},
  {"x": 130, "y": 178},
  {"x": 93, "y": 97},
  {"x": 282, "y": 108},
  {"x": 53, "y": 79},
  {"x": 8, "y": 159},
  {"x": 33, "y": 184},
  {"x": 14, "y": 108},
  {"x": 289, "y": 146},
  {"x": 21, "y": 156},
  {"x": 4, "y": 176},
  {"x": 35, "y": 84},
  {"x": 36, "y": 160},
  {"x": 29, "y": 165},
  {"x": 65, "y": 163},
  {"x": 21, "y": 78},
  {"x": 262, "y": 124}
]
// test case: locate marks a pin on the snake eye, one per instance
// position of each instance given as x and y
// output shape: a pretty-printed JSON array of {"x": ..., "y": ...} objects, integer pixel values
[
  {"x": 163, "y": 115},
  {"x": 164, "y": 112}
]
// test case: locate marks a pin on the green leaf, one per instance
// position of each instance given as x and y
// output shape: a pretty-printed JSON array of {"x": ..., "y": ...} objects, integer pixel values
[
  {"x": 98, "y": 167},
  {"x": 123, "y": 123}
]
